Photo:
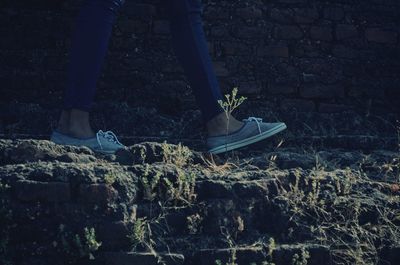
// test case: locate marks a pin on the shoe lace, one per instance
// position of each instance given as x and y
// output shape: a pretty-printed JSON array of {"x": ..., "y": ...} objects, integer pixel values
[
  {"x": 109, "y": 135},
  {"x": 257, "y": 120}
]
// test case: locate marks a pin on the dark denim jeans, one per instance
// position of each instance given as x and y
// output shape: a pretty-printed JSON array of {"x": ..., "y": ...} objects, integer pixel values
[{"x": 90, "y": 42}]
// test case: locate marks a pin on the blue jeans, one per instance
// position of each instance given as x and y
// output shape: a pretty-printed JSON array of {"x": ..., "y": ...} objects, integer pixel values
[{"x": 90, "y": 42}]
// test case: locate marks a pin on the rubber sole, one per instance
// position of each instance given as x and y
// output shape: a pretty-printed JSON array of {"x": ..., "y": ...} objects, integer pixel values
[
  {"x": 99, "y": 151},
  {"x": 235, "y": 145}
]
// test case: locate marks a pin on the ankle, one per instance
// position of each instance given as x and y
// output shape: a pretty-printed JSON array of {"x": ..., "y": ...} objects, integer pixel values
[
  {"x": 81, "y": 131},
  {"x": 218, "y": 120},
  {"x": 63, "y": 122},
  {"x": 222, "y": 125},
  {"x": 62, "y": 129}
]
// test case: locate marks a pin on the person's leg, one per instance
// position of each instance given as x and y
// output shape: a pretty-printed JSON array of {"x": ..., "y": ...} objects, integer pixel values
[
  {"x": 190, "y": 46},
  {"x": 89, "y": 45}
]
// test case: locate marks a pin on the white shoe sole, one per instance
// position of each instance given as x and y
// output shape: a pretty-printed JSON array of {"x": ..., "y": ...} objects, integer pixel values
[
  {"x": 103, "y": 152},
  {"x": 94, "y": 150},
  {"x": 247, "y": 141}
]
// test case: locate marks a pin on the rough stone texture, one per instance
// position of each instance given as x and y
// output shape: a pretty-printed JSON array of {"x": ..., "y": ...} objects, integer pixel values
[
  {"x": 282, "y": 205},
  {"x": 97, "y": 193},
  {"x": 42, "y": 191},
  {"x": 251, "y": 42},
  {"x": 328, "y": 186}
]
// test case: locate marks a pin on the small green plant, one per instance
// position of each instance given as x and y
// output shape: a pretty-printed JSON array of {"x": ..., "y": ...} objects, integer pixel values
[
  {"x": 179, "y": 155},
  {"x": 212, "y": 166},
  {"x": 91, "y": 243},
  {"x": 143, "y": 155},
  {"x": 109, "y": 178},
  {"x": 193, "y": 223},
  {"x": 150, "y": 185},
  {"x": 230, "y": 105},
  {"x": 183, "y": 189},
  {"x": 75, "y": 246},
  {"x": 271, "y": 246},
  {"x": 180, "y": 190},
  {"x": 302, "y": 258},
  {"x": 232, "y": 246},
  {"x": 139, "y": 233}
]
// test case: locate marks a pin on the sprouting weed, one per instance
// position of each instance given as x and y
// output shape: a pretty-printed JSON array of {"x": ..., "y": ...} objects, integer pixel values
[
  {"x": 230, "y": 105},
  {"x": 183, "y": 189},
  {"x": 150, "y": 184},
  {"x": 179, "y": 155},
  {"x": 302, "y": 258}
]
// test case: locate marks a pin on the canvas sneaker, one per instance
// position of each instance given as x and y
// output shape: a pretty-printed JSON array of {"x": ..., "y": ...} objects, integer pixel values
[
  {"x": 104, "y": 142},
  {"x": 253, "y": 130}
]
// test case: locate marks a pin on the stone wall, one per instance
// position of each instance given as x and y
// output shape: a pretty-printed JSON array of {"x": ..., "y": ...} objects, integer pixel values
[
  {"x": 283, "y": 206},
  {"x": 313, "y": 55}
]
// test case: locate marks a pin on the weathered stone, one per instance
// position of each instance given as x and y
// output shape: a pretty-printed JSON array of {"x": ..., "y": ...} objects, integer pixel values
[
  {"x": 258, "y": 189},
  {"x": 310, "y": 78},
  {"x": 220, "y": 31},
  {"x": 298, "y": 104},
  {"x": 249, "y": 87},
  {"x": 73, "y": 157},
  {"x": 250, "y": 12},
  {"x": 289, "y": 160},
  {"x": 321, "y": 33},
  {"x": 344, "y": 31},
  {"x": 235, "y": 48},
  {"x": 26, "y": 150},
  {"x": 248, "y": 32},
  {"x": 97, "y": 193},
  {"x": 321, "y": 91},
  {"x": 151, "y": 152},
  {"x": 288, "y": 32},
  {"x": 305, "y": 15},
  {"x": 140, "y": 47},
  {"x": 273, "y": 51},
  {"x": 230, "y": 198},
  {"x": 324, "y": 107},
  {"x": 281, "y": 15},
  {"x": 161, "y": 27},
  {"x": 366, "y": 91},
  {"x": 342, "y": 51},
  {"x": 31, "y": 191},
  {"x": 277, "y": 89},
  {"x": 381, "y": 35},
  {"x": 334, "y": 13},
  {"x": 213, "y": 189},
  {"x": 113, "y": 235},
  {"x": 220, "y": 68}
]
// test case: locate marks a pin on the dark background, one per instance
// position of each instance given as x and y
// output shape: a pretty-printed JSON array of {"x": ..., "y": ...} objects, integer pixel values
[{"x": 284, "y": 55}]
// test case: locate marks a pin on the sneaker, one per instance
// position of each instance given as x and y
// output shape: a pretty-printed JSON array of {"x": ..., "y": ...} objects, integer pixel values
[
  {"x": 104, "y": 142},
  {"x": 253, "y": 130}
]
